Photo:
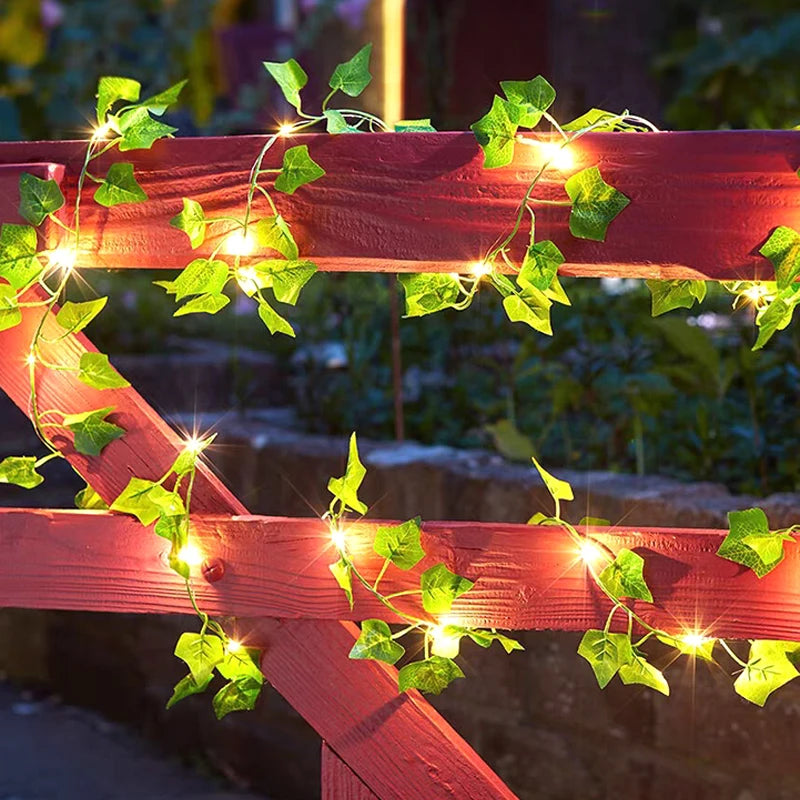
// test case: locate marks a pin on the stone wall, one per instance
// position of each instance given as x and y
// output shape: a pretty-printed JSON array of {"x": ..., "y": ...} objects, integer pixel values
[{"x": 537, "y": 717}]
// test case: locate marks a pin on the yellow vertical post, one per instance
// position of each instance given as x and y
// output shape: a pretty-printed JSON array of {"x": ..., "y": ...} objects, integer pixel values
[{"x": 392, "y": 58}]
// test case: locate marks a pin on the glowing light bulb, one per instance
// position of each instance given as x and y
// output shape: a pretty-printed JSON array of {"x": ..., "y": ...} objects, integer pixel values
[
  {"x": 191, "y": 554},
  {"x": 444, "y": 642},
  {"x": 338, "y": 538},
  {"x": 758, "y": 294},
  {"x": 286, "y": 130},
  {"x": 559, "y": 156},
  {"x": 63, "y": 258},
  {"x": 590, "y": 552},
  {"x": 194, "y": 445},
  {"x": 694, "y": 639},
  {"x": 233, "y": 646},
  {"x": 30, "y": 360},
  {"x": 239, "y": 244},
  {"x": 102, "y": 132},
  {"x": 479, "y": 269}
]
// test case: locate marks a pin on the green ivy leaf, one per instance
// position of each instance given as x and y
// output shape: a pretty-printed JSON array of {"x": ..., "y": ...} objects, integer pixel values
[
  {"x": 187, "y": 459},
  {"x": 192, "y": 221},
  {"x": 186, "y": 687},
  {"x": 559, "y": 490},
  {"x": 204, "y": 304},
  {"x": 768, "y": 668},
  {"x": 375, "y": 642},
  {"x": 139, "y": 130},
  {"x": 531, "y": 307},
  {"x": 343, "y": 572},
  {"x": 119, "y": 186},
  {"x": 400, "y": 543},
  {"x": 414, "y": 126},
  {"x": 297, "y": 170},
  {"x": 241, "y": 663},
  {"x": 97, "y": 372},
  {"x": 776, "y": 316},
  {"x": 485, "y": 639},
  {"x": 273, "y": 320},
  {"x": 74, "y": 317},
  {"x": 594, "y": 522},
  {"x": 201, "y": 652},
  {"x": 21, "y": 471},
  {"x": 643, "y": 672},
  {"x": 496, "y": 132},
  {"x": 667, "y": 295},
  {"x": 433, "y": 675},
  {"x": 38, "y": 198},
  {"x": 290, "y": 76},
  {"x": 158, "y": 103},
  {"x": 540, "y": 265},
  {"x": 595, "y": 204},
  {"x": 287, "y": 278},
  {"x": 427, "y": 293},
  {"x": 624, "y": 577},
  {"x": 201, "y": 276},
  {"x": 143, "y": 499},
  {"x": 240, "y": 694},
  {"x": 174, "y": 528},
  {"x": 440, "y": 587},
  {"x": 751, "y": 543},
  {"x": 353, "y": 76},
  {"x": 532, "y": 97},
  {"x": 336, "y": 122},
  {"x": 10, "y": 314},
  {"x": 345, "y": 489},
  {"x": 598, "y": 120},
  {"x": 92, "y": 431},
  {"x": 606, "y": 653},
  {"x": 88, "y": 499},
  {"x": 274, "y": 233},
  {"x": 19, "y": 264},
  {"x": 783, "y": 250},
  {"x": 110, "y": 89}
]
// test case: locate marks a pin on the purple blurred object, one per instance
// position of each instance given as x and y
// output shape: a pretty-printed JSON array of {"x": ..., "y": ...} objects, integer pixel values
[{"x": 350, "y": 11}]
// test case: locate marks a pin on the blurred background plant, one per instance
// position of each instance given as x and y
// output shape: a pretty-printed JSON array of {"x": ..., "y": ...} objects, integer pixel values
[{"x": 680, "y": 395}]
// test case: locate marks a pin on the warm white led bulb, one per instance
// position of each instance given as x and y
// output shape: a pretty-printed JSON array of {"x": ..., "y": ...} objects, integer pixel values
[
  {"x": 63, "y": 258},
  {"x": 559, "y": 156},
  {"x": 443, "y": 642},
  {"x": 190, "y": 554},
  {"x": 233, "y": 646},
  {"x": 590, "y": 552},
  {"x": 239, "y": 243},
  {"x": 338, "y": 539},
  {"x": 286, "y": 130},
  {"x": 479, "y": 269},
  {"x": 694, "y": 639}
]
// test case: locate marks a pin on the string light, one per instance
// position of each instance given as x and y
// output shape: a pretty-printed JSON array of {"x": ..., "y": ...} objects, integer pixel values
[
  {"x": 63, "y": 258},
  {"x": 590, "y": 552},
  {"x": 30, "y": 360},
  {"x": 758, "y": 294},
  {"x": 102, "y": 132},
  {"x": 286, "y": 129},
  {"x": 444, "y": 643},
  {"x": 694, "y": 639},
  {"x": 479, "y": 269},
  {"x": 194, "y": 445},
  {"x": 191, "y": 555},
  {"x": 338, "y": 538},
  {"x": 233, "y": 646},
  {"x": 239, "y": 244}
]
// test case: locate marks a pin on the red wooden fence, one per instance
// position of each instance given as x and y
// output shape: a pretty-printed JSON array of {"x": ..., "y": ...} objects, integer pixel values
[{"x": 702, "y": 204}]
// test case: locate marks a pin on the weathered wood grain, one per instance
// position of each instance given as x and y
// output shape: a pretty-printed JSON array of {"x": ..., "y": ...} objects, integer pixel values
[
  {"x": 338, "y": 780},
  {"x": 526, "y": 577},
  {"x": 702, "y": 203}
]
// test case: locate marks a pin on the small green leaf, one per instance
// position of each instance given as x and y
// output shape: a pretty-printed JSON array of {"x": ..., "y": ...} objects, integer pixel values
[
  {"x": 531, "y": 307},
  {"x": 532, "y": 97},
  {"x": 496, "y": 132},
  {"x": 204, "y": 304},
  {"x": 97, "y": 372},
  {"x": 297, "y": 170},
  {"x": 38, "y": 198},
  {"x": 186, "y": 687},
  {"x": 433, "y": 675},
  {"x": 783, "y": 250},
  {"x": 273, "y": 320},
  {"x": 174, "y": 528},
  {"x": 21, "y": 471},
  {"x": 240, "y": 694},
  {"x": 427, "y": 293},
  {"x": 594, "y": 522},
  {"x": 667, "y": 295},
  {"x": 187, "y": 460},
  {"x": 201, "y": 652},
  {"x": 336, "y": 122},
  {"x": 751, "y": 543},
  {"x": 74, "y": 317},
  {"x": 643, "y": 672},
  {"x": 287, "y": 278},
  {"x": 92, "y": 431},
  {"x": 375, "y": 642},
  {"x": 440, "y": 588},
  {"x": 19, "y": 264},
  {"x": 624, "y": 577},
  {"x": 158, "y": 103},
  {"x": 110, "y": 90},
  {"x": 290, "y": 76},
  {"x": 144, "y": 499},
  {"x": 88, "y": 499},
  {"x": 139, "y": 130},
  {"x": 241, "y": 663},
  {"x": 201, "y": 276},
  {"x": 346, "y": 488},
  {"x": 559, "y": 490},
  {"x": 776, "y": 316},
  {"x": 606, "y": 653},
  {"x": 274, "y": 233},
  {"x": 598, "y": 120},
  {"x": 400, "y": 543},
  {"x": 10, "y": 314},
  {"x": 595, "y": 204},
  {"x": 485, "y": 639},
  {"x": 192, "y": 221},
  {"x": 510, "y": 441},
  {"x": 540, "y": 265},
  {"x": 119, "y": 186},
  {"x": 414, "y": 126},
  {"x": 352, "y": 77},
  {"x": 343, "y": 573},
  {"x": 768, "y": 668}
]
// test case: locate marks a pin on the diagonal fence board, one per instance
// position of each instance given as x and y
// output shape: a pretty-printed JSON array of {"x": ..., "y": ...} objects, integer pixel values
[
  {"x": 338, "y": 782},
  {"x": 702, "y": 202},
  {"x": 525, "y": 577},
  {"x": 147, "y": 450}
]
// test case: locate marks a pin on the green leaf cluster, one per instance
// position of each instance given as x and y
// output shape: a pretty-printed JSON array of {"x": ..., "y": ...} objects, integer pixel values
[
  {"x": 667, "y": 295},
  {"x": 751, "y": 543}
]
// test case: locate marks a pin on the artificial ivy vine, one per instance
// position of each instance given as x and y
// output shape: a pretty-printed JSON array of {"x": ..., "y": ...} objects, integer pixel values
[{"x": 257, "y": 251}]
